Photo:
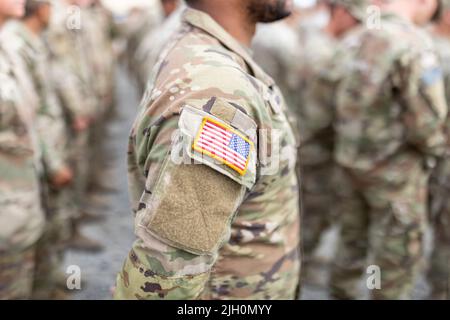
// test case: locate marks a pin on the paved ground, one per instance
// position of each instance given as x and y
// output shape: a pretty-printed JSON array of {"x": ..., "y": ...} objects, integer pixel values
[{"x": 116, "y": 232}]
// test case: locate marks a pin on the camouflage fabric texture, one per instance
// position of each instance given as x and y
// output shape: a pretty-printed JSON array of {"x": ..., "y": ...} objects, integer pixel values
[
  {"x": 295, "y": 57},
  {"x": 73, "y": 83},
  {"x": 206, "y": 230},
  {"x": 148, "y": 51},
  {"x": 53, "y": 135},
  {"x": 69, "y": 64},
  {"x": 314, "y": 125},
  {"x": 439, "y": 205},
  {"x": 390, "y": 112},
  {"x": 16, "y": 273},
  {"x": 21, "y": 217},
  {"x": 31, "y": 50},
  {"x": 139, "y": 26}
]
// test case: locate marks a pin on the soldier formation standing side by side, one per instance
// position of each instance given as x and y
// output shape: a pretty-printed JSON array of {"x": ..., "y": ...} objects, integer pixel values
[
  {"x": 48, "y": 98},
  {"x": 263, "y": 124}
]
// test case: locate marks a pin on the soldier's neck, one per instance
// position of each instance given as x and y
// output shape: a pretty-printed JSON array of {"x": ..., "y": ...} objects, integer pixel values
[
  {"x": 34, "y": 25},
  {"x": 235, "y": 22}
]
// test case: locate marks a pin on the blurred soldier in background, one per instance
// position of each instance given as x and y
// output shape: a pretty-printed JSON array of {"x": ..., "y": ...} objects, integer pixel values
[
  {"x": 277, "y": 49},
  {"x": 148, "y": 51},
  {"x": 295, "y": 51},
  {"x": 30, "y": 49},
  {"x": 97, "y": 33},
  {"x": 21, "y": 215},
  {"x": 316, "y": 151},
  {"x": 73, "y": 80},
  {"x": 140, "y": 22},
  {"x": 320, "y": 72},
  {"x": 389, "y": 130},
  {"x": 201, "y": 232},
  {"x": 439, "y": 270}
]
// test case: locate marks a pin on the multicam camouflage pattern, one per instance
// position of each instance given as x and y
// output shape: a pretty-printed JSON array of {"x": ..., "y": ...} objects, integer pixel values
[
  {"x": 73, "y": 82},
  {"x": 52, "y": 132},
  {"x": 390, "y": 114},
  {"x": 439, "y": 271},
  {"x": 296, "y": 57},
  {"x": 69, "y": 64},
  {"x": 139, "y": 26},
  {"x": 98, "y": 31},
  {"x": 276, "y": 48},
  {"x": 204, "y": 230},
  {"x": 16, "y": 273},
  {"x": 21, "y": 217},
  {"x": 148, "y": 51},
  {"x": 31, "y": 50},
  {"x": 315, "y": 115}
]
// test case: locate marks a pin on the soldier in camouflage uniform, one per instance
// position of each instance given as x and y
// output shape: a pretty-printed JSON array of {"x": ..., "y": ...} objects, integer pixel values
[
  {"x": 140, "y": 23},
  {"x": 215, "y": 218},
  {"x": 31, "y": 50},
  {"x": 318, "y": 50},
  {"x": 73, "y": 84},
  {"x": 21, "y": 215},
  {"x": 390, "y": 112},
  {"x": 295, "y": 54},
  {"x": 152, "y": 44},
  {"x": 439, "y": 271},
  {"x": 96, "y": 33},
  {"x": 277, "y": 50}
]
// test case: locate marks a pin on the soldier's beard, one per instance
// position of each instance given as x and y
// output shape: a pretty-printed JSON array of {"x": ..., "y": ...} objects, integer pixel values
[{"x": 269, "y": 10}]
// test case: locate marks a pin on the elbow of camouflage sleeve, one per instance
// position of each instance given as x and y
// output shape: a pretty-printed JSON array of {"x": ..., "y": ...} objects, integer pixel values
[{"x": 147, "y": 275}]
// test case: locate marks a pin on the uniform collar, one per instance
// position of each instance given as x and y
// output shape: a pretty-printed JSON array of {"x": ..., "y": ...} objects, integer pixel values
[{"x": 205, "y": 22}]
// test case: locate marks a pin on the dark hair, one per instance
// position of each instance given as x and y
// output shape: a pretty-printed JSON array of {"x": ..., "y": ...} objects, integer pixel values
[
  {"x": 190, "y": 2},
  {"x": 438, "y": 13},
  {"x": 31, "y": 7}
]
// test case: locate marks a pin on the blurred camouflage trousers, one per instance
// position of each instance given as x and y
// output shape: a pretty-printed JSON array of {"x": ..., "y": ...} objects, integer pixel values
[
  {"x": 16, "y": 274},
  {"x": 79, "y": 160},
  {"x": 50, "y": 248},
  {"x": 439, "y": 272},
  {"x": 384, "y": 219},
  {"x": 319, "y": 198}
]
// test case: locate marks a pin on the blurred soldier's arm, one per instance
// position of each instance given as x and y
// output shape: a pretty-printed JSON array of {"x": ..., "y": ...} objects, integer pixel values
[
  {"x": 318, "y": 108},
  {"x": 423, "y": 94},
  {"x": 49, "y": 122},
  {"x": 67, "y": 83},
  {"x": 185, "y": 213},
  {"x": 414, "y": 78}
]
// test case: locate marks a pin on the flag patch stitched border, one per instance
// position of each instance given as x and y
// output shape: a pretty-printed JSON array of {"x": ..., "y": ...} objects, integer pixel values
[{"x": 224, "y": 143}]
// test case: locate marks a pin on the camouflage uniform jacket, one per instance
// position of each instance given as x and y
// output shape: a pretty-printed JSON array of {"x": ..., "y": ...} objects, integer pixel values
[
  {"x": 390, "y": 105},
  {"x": 209, "y": 227},
  {"x": 148, "y": 51},
  {"x": 21, "y": 216},
  {"x": 319, "y": 73},
  {"x": 50, "y": 122},
  {"x": 68, "y": 62}
]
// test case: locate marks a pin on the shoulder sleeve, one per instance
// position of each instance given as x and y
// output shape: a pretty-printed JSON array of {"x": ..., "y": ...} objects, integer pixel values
[{"x": 425, "y": 105}]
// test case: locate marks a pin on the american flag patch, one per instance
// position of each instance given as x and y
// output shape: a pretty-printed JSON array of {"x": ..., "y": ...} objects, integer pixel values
[{"x": 225, "y": 144}]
